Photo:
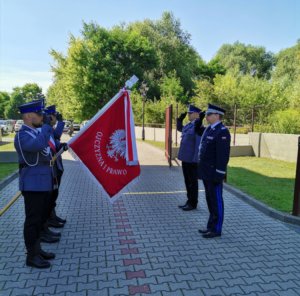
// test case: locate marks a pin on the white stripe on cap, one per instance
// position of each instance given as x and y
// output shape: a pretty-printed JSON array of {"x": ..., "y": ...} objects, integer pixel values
[{"x": 214, "y": 111}]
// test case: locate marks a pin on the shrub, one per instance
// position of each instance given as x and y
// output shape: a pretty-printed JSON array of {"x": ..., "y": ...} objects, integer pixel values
[{"x": 286, "y": 122}]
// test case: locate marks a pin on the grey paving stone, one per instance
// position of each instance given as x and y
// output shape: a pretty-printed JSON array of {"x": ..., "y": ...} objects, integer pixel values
[
  {"x": 252, "y": 288},
  {"x": 65, "y": 288},
  {"x": 289, "y": 292},
  {"x": 290, "y": 284},
  {"x": 17, "y": 284},
  {"x": 232, "y": 290},
  {"x": 82, "y": 293},
  {"x": 165, "y": 293},
  {"x": 38, "y": 290},
  {"x": 22, "y": 291},
  {"x": 212, "y": 292},
  {"x": 87, "y": 286}
]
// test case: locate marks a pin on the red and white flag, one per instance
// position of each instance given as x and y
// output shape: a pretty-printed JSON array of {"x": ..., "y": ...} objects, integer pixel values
[{"x": 106, "y": 146}]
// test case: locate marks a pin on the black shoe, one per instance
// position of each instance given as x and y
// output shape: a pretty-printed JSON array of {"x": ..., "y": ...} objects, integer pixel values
[
  {"x": 46, "y": 238},
  {"x": 37, "y": 261},
  {"x": 182, "y": 206},
  {"x": 47, "y": 231},
  {"x": 211, "y": 235},
  {"x": 47, "y": 255},
  {"x": 61, "y": 220},
  {"x": 188, "y": 208},
  {"x": 203, "y": 231},
  {"x": 55, "y": 224}
]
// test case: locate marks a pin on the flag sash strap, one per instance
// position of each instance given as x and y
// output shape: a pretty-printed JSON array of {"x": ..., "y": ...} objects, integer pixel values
[
  {"x": 51, "y": 144},
  {"x": 131, "y": 153}
]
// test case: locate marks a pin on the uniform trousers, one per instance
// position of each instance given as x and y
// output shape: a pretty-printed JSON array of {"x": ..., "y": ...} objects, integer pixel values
[
  {"x": 215, "y": 204},
  {"x": 54, "y": 195},
  {"x": 36, "y": 208},
  {"x": 191, "y": 182}
]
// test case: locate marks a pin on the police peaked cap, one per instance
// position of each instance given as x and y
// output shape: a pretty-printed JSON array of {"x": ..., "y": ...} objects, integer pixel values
[
  {"x": 50, "y": 109},
  {"x": 215, "y": 109},
  {"x": 193, "y": 109},
  {"x": 35, "y": 106}
]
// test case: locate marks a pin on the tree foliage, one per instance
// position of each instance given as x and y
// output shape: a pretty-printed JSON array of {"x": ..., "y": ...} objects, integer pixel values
[
  {"x": 246, "y": 59},
  {"x": 100, "y": 61},
  {"x": 19, "y": 96},
  {"x": 4, "y": 101}
]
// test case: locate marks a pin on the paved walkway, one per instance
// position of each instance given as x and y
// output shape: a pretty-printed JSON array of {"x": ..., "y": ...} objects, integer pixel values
[{"x": 144, "y": 244}]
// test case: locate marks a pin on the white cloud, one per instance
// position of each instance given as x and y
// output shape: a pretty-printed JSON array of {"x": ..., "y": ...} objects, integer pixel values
[{"x": 10, "y": 78}]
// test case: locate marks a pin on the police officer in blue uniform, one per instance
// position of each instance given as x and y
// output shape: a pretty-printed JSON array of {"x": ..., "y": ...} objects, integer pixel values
[
  {"x": 214, "y": 153},
  {"x": 57, "y": 121},
  {"x": 35, "y": 178},
  {"x": 188, "y": 154}
]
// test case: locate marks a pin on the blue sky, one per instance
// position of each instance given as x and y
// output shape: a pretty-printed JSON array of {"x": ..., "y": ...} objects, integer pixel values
[{"x": 30, "y": 28}]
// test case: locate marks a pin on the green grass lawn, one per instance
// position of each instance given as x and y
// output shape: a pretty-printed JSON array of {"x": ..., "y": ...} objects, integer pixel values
[
  {"x": 268, "y": 180},
  {"x": 7, "y": 146},
  {"x": 9, "y": 135},
  {"x": 160, "y": 145},
  {"x": 6, "y": 169}
]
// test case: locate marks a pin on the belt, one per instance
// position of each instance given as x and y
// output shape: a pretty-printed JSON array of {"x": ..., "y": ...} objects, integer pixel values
[{"x": 47, "y": 163}]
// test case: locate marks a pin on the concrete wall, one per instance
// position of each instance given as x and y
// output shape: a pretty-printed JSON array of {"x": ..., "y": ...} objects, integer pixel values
[
  {"x": 241, "y": 150},
  {"x": 158, "y": 134},
  {"x": 277, "y": 146}
]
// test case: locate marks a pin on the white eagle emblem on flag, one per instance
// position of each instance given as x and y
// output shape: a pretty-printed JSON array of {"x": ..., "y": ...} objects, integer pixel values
[{"x": 117, "y": 145}]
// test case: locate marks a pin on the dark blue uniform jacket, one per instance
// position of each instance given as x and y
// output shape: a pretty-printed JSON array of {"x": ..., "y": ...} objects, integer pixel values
[
  {"x": 214, "y": 153},
  {"x": 33, "y": 148},
  {"x": 189, "y": 146}
]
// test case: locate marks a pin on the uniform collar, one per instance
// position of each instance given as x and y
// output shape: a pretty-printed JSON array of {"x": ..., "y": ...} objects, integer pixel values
[
  {"x": 215, "y": 124},
  {"x": 31, "y": 128}
]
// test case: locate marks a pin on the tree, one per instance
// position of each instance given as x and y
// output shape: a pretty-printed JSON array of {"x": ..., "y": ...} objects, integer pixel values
[
  {"x": 204, "y": 94},
  {"x": 288, "y": 64},
  {"x": 286, "y": 77},
  {"x": 19, "y": 96},
  {"x": 255, "y": 96},
  {"x": 239, "y": 58},
  {"x": 173, "y": 51},
  {"x": 4, "y": 101},
  {"x": 96, "y": 66},
  {"x": 170, "y": 87}
]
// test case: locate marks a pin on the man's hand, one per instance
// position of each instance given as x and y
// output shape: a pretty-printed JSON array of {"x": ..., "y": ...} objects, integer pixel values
[
  {"x": 201, "y": 115},
  {"x": 182, "y": 116},
  {"x": 64, "y": 146},
  {"x": 59, "y": 116}
]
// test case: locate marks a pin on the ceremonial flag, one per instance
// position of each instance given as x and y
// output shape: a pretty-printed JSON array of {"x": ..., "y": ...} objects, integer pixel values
[{"x": 106, "y": 146}]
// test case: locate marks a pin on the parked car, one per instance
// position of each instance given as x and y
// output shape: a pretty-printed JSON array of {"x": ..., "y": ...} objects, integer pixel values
[
  {"x": 76, "y": 126},
  {"x": 10, "y": 125},
  {"x": 83, "y": 123},
  {"x": 67, "y": 125},
  {"x": 3, "y": 127},
  {"x": 18, "y": 125}
]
